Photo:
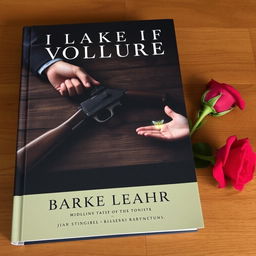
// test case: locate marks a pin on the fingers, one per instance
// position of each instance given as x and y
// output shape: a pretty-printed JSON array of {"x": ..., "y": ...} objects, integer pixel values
[
  {"x": 83, "y": 78},
  {"x": 147, "y": 128},
  {"x": 153, "y": 134},
  {"x": 169, "y": 112},
  {"x": 77, "y": 85},
  {"x": 63, "y": 90},
  {"x": 71, "y": 87},
  {"x": 93, "y": 81},
  {"x": 145, "y": 133},
  {"x": 86, "y": 79}
]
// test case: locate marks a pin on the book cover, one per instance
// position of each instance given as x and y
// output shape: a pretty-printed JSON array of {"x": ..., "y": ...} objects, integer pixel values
[{"x": 103, "y": 146}]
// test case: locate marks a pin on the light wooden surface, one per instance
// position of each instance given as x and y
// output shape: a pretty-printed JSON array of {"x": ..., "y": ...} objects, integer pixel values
[{"x": 216, "y": 39}]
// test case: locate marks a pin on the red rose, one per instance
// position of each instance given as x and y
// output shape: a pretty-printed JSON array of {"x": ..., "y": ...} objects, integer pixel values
[
  {"x": 235, "y": 161},
  {"x": 218, "y": 100},
  {"x": 226, "y": 97}
]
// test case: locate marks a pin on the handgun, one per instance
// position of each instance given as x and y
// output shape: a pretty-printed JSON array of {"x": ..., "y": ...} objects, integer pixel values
[{"x": 100, "y": 105}]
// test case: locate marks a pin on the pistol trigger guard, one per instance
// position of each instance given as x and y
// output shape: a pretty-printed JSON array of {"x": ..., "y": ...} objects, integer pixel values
[
  {"x": 110, "y": 110},
  {"x": 101, "y": 120},
  {"x": 112, "y": 107}
]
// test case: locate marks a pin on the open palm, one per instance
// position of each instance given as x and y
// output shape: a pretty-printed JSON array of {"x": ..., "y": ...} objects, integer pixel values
[{"x": 175, "y": 129}]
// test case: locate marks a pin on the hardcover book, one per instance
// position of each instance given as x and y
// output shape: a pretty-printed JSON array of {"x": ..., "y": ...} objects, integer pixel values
[{"x": 103, "y": 145}]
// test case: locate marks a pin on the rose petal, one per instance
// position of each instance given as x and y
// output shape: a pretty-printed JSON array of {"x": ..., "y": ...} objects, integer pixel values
[
  {"x": 230, "y": 96},
  {"x": 235, "y": 164},
  {"x": 239, "y": 101},
  {"x": 248, "y": 167},
  {"x": 226, "y": 149},
  {"x": 221, "y": 158},
  {"x": 226, "y": 100},
  {"x": 235, "y": 161},
  {"x": 218, "y": 173}
]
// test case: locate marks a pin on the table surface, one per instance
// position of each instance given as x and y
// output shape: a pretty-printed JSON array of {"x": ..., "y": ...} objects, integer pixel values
[{"x": 216, "y": 39}]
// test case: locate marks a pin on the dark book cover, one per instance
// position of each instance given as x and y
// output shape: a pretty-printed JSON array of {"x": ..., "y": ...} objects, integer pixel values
[{"x": 99, "y": 153}]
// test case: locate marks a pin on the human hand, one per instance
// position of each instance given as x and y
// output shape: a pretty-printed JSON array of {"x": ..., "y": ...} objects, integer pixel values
[
  {"x": 69, "y": 79},
  {"x": 175, "y": 129}
]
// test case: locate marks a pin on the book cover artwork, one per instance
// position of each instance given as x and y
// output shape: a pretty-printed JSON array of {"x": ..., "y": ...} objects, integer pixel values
[{"x": 103, "y": 143}]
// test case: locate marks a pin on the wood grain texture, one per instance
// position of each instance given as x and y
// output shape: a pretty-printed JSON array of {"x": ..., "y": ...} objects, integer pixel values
[{"x": 216, "y": 39}]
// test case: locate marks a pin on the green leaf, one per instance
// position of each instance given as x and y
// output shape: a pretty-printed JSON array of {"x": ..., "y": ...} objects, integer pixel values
[
  {"x": 203, "y": 156},
  {"x": 213, "y": 101},
  {"x": 199, "y": 163},
  {"x": 202, "y": 149},
  {"x": 203, "y": 96},
  {"x": 221, "y": 113}
]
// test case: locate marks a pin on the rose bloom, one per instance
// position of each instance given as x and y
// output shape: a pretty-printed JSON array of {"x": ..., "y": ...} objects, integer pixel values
[
  {"x": 218, "y": 100},
  {"x": 229, "y": 96},
  {"x": 234, "y": 161}
]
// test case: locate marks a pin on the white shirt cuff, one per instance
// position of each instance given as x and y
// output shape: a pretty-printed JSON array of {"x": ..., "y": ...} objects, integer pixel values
[{"x": 46, "y": 65}]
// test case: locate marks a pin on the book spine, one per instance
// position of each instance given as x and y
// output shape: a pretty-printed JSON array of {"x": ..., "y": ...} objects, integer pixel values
[{"x": 21, "y": 139}]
